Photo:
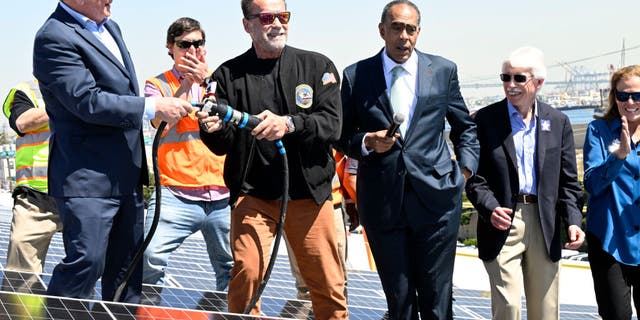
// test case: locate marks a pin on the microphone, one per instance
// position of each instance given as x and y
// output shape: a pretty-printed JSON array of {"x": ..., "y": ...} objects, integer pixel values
[
  {"x": 398, "y": 119},
  {"x": 239, "y": 119}
]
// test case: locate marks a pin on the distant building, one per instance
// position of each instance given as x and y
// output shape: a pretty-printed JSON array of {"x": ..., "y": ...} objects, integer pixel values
[{"x": 7, "y": 166}]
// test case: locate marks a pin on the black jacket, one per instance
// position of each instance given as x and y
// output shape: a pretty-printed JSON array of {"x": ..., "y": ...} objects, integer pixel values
[
  {"x": 317, "y": 123},
  {"x": 496, "y": 183}
]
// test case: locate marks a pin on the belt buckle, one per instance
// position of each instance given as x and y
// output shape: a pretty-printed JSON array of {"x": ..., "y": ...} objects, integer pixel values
[{"x": 527, "y": 199}]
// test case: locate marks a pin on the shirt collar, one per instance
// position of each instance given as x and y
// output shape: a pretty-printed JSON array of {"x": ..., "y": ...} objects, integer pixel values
[
  {"x": 410, "y": 66},
  {"x": 614, "y": 125},
  {"x": 513, "y": 111},
  {"x": 176, "y": 73},
  {"x": 84, "y": 20}
]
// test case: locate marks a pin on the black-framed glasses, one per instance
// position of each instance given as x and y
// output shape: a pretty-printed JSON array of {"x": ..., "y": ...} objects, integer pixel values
[
  {"x": 270, "y": 17},
  {"x": 518, "y": 78},
  {"x": 398, "y": 27},
  {"x": 184, "y": 44},
  {"x": 624, "y": 96}
]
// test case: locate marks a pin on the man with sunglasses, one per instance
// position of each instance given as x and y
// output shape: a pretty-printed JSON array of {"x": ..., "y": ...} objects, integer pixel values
[
  {"x": 409, "y": 187},
  {"x": 296, "y": 95},
  {"x": 97, "y": 163},
  {"x": 194, "y": 196},
  {"x": 526, "y": 191}
]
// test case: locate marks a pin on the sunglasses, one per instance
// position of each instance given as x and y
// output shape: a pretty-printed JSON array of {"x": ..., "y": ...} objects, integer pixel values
[
  {"x": 184, "y": 44},
  {"x": 268, "y": 18},
  {"x": 398, "y": 27},
  {"x": 624, "y": 96},
  {"x": 518, "y": 78}
]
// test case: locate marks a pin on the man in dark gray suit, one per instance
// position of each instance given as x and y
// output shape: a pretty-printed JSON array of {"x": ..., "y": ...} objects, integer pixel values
[
  {"x": 97, "y": 164},
  {"x": 527, "y": 183},
  {"x": 409, "y": 187}
]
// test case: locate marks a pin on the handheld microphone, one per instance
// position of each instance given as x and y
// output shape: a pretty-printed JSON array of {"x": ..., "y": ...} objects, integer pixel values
[
  {"x": 398, "y": 119},
  {"x": 239, "y": 119}
]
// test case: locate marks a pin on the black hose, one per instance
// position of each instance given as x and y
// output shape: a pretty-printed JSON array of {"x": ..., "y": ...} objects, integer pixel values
[
  {"x": 279, "y": 231},
  {"x": 156, "y": 216}
]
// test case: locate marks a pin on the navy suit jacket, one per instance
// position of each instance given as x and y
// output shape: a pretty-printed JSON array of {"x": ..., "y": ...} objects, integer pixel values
[
  {"x": 496, "y": 184},
  {"x": 422, "y": 158},
  {"x": 94, "y": 109}
]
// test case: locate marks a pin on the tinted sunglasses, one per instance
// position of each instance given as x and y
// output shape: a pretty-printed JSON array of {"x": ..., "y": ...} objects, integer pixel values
[
  {"x": 268, "y": 18},
  {"x": 624, "y": 96},
  {"x": 518, "y": 78},
  {"x": 184, "y": 44},
  {"x": 399, "y": 27}
]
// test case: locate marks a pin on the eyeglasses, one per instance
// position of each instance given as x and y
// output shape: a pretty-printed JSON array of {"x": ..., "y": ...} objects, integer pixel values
[
  {"x": 270, "y": 17},
  {"x": 624, "y": 96},
  {"x": 518, "y": 78},
  {"x": 399, "y": 27},
  {"x": 184, "y": 44}
]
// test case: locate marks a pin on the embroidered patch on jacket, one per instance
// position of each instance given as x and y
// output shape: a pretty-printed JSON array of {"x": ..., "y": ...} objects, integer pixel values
[
  {"x": 328, "y": 78},
  {"x": 304, "y": 96},
  {"x": 545, "y": 125}
]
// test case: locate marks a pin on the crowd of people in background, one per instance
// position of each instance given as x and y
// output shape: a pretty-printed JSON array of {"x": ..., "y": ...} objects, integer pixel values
[{"x": 374, "y": 136}]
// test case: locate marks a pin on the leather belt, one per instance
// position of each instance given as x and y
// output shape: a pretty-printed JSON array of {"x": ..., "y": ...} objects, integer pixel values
[{"x": 527, "y": 198}]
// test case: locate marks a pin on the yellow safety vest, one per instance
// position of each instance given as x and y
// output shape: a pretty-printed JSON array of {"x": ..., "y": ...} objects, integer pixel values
[
  {"x": 183, "y": 159},
  {"x": 32, "y": 149}
]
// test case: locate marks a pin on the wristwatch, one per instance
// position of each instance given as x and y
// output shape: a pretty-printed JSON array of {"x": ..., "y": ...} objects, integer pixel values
[{"x": 290, "y": 126}]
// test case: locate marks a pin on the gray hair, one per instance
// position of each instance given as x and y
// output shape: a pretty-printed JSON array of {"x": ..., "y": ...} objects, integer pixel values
[
  {"x": 387, "y": 8},
  {"x": 528, "y": 58}
]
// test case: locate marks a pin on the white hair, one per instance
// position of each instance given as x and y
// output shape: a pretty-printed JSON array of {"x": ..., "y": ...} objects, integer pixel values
[{"x": 528, "y": 58}]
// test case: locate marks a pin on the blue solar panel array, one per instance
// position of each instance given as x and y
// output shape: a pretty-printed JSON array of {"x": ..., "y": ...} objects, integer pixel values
[{"x": 189, "y": 295}]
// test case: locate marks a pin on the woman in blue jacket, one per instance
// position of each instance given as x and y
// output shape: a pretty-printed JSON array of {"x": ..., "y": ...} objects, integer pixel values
[{"x": 612, "y": 173}]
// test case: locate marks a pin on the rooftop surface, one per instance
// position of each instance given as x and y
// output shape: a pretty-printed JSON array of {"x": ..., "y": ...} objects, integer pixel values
[{"x": 189, "y": 294}]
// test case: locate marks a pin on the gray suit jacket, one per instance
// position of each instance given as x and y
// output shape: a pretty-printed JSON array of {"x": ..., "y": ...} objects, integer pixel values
[{"x": 422, "y": 158}]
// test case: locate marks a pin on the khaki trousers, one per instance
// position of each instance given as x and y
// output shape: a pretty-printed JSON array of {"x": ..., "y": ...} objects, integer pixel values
[
  {"x": 301, "y": 287},
  {"x": 524, "y": 262},
  {"x": 311, "y": 231},
  {"x": 31, "y": 231}
]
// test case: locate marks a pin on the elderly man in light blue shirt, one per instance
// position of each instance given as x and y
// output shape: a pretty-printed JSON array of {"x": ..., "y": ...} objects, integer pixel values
[{"x": 526, "y": 185}]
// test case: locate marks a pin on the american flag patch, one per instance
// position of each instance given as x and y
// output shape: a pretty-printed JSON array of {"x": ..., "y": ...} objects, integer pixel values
[{"x": 328, "y": 78}]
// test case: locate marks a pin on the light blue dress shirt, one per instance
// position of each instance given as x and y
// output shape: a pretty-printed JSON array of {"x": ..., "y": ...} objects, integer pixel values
[
  {"x": 98, "y": 30},
  {"x": 524, "y": 139},
  {"x": 103, "y": 35}
]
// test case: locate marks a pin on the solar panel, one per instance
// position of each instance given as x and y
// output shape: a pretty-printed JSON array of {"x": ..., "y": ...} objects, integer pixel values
[
  {"x": 189, "y": 292},
  {"x": 27, "y": 306}
]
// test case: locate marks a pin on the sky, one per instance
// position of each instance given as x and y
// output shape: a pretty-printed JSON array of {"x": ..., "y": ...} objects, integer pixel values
[{"x": 477, "y": 35}]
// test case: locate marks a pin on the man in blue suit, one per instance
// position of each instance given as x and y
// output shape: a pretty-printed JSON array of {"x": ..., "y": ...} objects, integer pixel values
[
  {"x": 97, "y": 164},
  {"x": 409, "y": 188}
]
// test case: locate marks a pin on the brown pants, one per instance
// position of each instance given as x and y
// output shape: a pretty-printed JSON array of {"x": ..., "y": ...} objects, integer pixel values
[
  {"x": 311, "y": 232},
  {"x": 301, "y": 287}
]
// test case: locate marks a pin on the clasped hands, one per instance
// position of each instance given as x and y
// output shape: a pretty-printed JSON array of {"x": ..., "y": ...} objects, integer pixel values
[{"x": 271, "y": 127}]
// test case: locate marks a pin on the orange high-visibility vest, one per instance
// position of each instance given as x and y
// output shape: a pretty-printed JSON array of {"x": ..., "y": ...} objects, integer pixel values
[
  {"x": 336, "y": 192},
  {"x": 183, "y": 159}
]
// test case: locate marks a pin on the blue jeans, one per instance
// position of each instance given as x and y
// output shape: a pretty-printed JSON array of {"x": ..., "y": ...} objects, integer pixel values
[{"x": 180, "y": 218}]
